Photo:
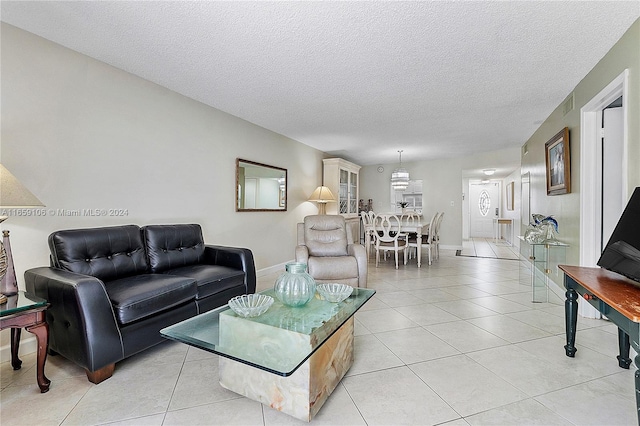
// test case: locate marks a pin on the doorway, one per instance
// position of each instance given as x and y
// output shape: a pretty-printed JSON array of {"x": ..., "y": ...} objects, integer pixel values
[
  {"x": 593, "y": 190},
  {"x": 603, "y": 150},
  {"x": 611, "y": 151},
  {"x": 484, "y": 206}
]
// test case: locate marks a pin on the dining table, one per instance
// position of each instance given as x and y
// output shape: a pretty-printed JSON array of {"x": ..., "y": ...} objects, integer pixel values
[{"x": 417, "y": 224}]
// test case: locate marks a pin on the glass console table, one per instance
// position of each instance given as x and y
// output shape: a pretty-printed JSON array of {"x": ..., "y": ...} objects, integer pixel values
[
  {"x": 290, "y": 359},
  {"x": 539, "y": 260}
]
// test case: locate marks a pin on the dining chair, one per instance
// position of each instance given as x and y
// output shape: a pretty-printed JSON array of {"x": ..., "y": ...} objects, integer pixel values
[
  {"x": 436, "y": 236},
  {"x": 367, "y": 225},
  {"x": 388, "y": 233},
  {"x": 427, "y": 238},
  {"x": 410, "y": 218}
]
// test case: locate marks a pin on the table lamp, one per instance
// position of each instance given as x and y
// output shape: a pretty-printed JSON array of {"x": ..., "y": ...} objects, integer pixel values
[
  {"x": 322, "y": 195},
  {"x": 13, "y": 195}
]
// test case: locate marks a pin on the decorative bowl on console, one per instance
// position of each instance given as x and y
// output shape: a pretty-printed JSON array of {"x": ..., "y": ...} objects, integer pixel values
[
  {"x": 250, "y": 305},
  {"x": 334, "y": 292}
]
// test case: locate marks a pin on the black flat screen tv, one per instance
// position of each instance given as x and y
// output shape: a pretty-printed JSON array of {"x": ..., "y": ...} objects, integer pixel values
[{"x": 622, "y": 253}]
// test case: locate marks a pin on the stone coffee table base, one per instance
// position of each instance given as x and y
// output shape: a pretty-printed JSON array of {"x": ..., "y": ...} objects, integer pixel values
[{"x": 302, "y": 394}]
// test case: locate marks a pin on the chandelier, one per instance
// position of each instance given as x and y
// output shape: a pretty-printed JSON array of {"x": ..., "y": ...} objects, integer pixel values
[{"x": 400, "y": 177}]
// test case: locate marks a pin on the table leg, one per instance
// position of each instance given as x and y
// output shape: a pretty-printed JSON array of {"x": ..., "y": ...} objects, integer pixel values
[
  {"x": 637, "y": 359},
  {"x": 419, "y": 248},
  {"x": 16, "y": 363},
  {"x": 571, "y": 318},
  {"x": 511, "y": 233},
  {"x": 623, "y": 345},
  {"x": 41, "y": 332}
]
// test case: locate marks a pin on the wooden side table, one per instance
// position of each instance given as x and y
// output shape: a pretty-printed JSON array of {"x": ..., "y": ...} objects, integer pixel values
[
  {"x": 25, "y": 310},
  {"x": 617, "y": 298}
]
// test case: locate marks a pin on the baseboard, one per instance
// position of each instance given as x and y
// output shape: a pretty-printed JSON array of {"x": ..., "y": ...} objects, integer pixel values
[{"x": 272, "y": 269}]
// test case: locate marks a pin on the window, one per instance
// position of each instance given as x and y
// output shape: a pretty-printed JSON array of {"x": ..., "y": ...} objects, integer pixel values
[{"x": 484, "y": 202}]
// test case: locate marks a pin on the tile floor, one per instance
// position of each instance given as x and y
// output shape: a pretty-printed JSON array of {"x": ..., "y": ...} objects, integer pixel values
[
  {"x": 487, "y": 247},
  {"x": 457, "y": 343}
]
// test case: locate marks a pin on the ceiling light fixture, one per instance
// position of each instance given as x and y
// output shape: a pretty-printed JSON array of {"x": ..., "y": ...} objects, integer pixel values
[
  {"x": 400, "y": 177},
  {"x": 489, "y": 172}
]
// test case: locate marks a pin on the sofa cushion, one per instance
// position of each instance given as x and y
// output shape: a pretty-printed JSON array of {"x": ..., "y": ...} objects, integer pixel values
[
  {"x": 140, "y": 296},
  {"x": 173, "y": 246},
  {"x": 107, "y": 253},
  {"x": 211, "y": 279},
  {"x": 325, "y": 235}
]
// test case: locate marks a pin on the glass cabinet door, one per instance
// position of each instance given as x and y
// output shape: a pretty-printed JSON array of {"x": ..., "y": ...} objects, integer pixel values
[
  {"x": 348, "y": 196},
  {"x": 341, "y": 177},
  {"x": 353, "y": 192},
  {"x": 344, "y": 192}
]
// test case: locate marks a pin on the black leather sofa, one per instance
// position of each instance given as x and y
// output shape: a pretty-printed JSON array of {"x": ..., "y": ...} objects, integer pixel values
[{"x": 112, "y": 289}]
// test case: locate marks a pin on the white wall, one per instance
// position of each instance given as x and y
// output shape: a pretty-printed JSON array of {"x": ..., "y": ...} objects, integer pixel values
[
  {"x": 514, "y": 214},
  {"x": 442, "y": 187},
  {"x": 81, "y": 134},
  {"x": 625, "y": 54}
]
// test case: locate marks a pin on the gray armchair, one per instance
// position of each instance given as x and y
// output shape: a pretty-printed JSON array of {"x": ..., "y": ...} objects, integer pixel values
[{"x": 326, "y": 246}]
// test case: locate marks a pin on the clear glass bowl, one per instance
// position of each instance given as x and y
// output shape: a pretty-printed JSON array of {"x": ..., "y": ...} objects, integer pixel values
[
  {"x": 334, "y": 292},
  {"x": 250, "y": 305}
]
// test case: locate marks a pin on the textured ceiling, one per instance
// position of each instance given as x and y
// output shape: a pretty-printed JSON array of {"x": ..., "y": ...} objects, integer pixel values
[{"x": 356, "y": 79}]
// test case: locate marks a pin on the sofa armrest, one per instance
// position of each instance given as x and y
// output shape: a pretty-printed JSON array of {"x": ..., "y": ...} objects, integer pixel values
[
  {"x": 302, "y": 254},
  {"x": 82, "y": 325},
  {"x": 233, "y": 257},
  {"x": 360, "y": 253}
]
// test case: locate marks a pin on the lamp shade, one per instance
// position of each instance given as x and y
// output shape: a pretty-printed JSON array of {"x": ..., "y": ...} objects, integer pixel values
[
  {"x": 322, "y": 194},
  {"x": 13, "y": 193}
]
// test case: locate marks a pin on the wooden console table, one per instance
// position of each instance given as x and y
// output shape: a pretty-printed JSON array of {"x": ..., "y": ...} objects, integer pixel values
[
  {"x": 613, "y": 295},
  {"x": 28, "y": 311},
  {"x": 497, "y": 235}
]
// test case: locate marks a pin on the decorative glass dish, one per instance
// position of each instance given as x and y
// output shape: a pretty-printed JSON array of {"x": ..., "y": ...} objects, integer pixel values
[
  {"x": 250, "y": 305},
  {"x": 334, "y": 292}
]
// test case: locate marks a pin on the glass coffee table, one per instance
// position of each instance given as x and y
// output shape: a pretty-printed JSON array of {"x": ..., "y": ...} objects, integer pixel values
[{"x": 290, "y": 359}]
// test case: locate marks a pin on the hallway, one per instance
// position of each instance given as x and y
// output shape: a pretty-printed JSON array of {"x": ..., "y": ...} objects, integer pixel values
[{"x": 486, "y": 247}]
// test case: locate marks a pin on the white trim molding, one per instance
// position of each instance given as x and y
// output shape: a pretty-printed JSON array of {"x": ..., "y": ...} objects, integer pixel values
[{"x": 591, "y": 170}]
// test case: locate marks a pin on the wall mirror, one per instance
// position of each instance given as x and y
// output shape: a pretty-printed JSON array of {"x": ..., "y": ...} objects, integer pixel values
[{"x": 260, "y": 187}]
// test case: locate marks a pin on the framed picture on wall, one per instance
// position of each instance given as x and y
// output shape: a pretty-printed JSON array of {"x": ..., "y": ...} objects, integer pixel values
[
  {"x": 558, "y": 163},
  {"x": 510, "y": 186}
]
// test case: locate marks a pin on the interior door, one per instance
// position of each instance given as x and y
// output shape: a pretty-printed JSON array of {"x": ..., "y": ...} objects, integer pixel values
[
  {"x": 525, "y": 210},
  {"x": 613, "y": 198},
  {"x": 484, "y": 206}
]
